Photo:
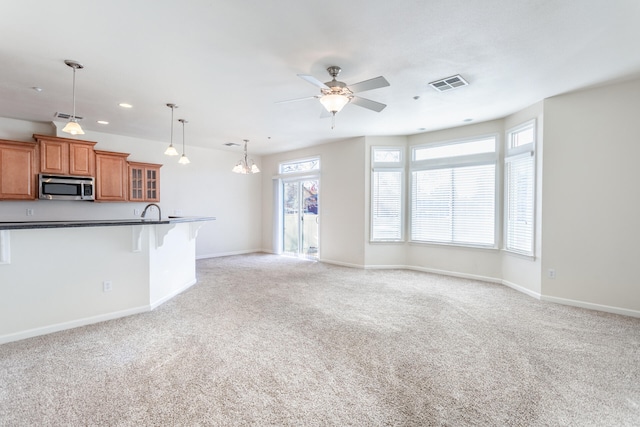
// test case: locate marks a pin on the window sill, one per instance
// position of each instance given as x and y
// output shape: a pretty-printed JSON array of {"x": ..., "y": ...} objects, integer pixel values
[{"x": 453, "y": 245}]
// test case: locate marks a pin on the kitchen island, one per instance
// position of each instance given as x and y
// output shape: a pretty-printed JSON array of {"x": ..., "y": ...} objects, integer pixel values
[{"x": 56, "y": 275}]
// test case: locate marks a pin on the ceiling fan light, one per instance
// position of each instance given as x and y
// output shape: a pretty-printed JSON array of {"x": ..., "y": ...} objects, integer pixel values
[
  {"x": 73, "y": 127},
  {"x": 334, "y": 103}
]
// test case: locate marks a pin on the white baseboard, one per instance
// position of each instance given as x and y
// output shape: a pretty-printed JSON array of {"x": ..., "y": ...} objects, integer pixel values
[
  {"x": 592, "y": 306},
  {"x": 386, "y": 267},
  {"x": 30, "y": 333},
  {"x": 522, "y": 289},
  {"x": 434, "y": 271},
  {"x": 514, "y": 286},
  {"x": 456, "y": 274},
  {"x": 221, "y": 254},
  {"x": 167, "y": 297},
  {"x": 342, "y": 264}
]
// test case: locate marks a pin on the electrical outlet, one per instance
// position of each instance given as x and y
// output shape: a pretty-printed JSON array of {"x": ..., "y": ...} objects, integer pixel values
[
  {"x": 177, "y": 212},
  {"x": 107, "y": 286},
  {"x": 136, "y": 212},
  {"x": 551, "y": 273},
  {"x": 29, "y": 212}
]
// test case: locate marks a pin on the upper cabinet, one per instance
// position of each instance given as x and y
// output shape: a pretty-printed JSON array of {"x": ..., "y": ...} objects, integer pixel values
[
  {"x": 111, "y": 176},
  {"x": 63, "y": 156},
  {"x": 144, "y": 182},
  {"x": 18, "y": 170},
  {"x": 116, "y": 180}
]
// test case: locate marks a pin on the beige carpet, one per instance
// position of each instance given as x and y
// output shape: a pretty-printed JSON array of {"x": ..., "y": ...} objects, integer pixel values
[{"x": 269, "y": 341}]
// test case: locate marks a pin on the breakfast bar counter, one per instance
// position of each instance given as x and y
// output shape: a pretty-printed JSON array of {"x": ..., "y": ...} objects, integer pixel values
[
  {"x": 17, "y": 225},
  {"x": 56, "y": 275}
]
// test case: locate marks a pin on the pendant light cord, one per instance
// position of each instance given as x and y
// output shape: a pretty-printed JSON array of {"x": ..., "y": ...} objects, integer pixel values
[
  {"x": 183, "y": 153},
  {"x": 74, "y": 93},
  {"x": 171, "y": 139}
]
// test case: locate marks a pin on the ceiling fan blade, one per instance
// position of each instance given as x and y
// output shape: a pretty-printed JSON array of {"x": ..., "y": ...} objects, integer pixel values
[
  {"x": 297, "y": 99},
  {"x": 313, "y": 81},
  {"x": 370, "y": 84},
  {"x": 367, "y": 103}
]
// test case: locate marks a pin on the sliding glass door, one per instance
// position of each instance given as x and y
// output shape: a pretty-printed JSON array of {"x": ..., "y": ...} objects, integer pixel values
[{"x": 300, "y": 213}]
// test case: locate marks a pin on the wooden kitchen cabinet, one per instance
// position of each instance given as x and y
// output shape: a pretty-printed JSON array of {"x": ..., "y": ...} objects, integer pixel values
[
  {"x": 111, "y": 176},
  {"x": 144, "y": 182},
  {"x": 18, "y": 170},
  {"x": 64, "y": 156}
]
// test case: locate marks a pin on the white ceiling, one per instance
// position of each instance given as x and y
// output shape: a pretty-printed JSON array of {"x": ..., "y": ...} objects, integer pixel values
[{"x": 227, "y": 63}]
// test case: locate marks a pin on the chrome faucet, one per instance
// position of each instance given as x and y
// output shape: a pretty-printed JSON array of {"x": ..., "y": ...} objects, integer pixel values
[{"x": 144, "y": 212}]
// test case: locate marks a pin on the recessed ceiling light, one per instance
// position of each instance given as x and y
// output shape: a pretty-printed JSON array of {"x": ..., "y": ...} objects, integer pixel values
[
  {"x": 103, "y": 122},
  {"x": 125, "y": 105},
  {"x": 231, "y": 144},
  {"x": 37, "y": 89},
  {"x": 467, "y": 120},
  {"x": 422, "y": 129}
]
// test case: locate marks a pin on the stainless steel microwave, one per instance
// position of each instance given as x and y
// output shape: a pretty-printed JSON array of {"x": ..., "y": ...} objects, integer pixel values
[{"x": 64, "y": 187}]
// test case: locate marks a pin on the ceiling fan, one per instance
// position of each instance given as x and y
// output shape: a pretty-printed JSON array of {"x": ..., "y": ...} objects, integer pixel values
[{"x": 334, "y": 95}]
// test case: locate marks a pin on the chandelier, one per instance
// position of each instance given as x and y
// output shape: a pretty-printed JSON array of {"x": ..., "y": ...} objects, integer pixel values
[{"x": 243, "y": 166}]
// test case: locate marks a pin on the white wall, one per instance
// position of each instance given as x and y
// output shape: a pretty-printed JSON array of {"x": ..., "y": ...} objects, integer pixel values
[
  {"x": 590, "y": 197},
  {"x": 205, "y": 187}
]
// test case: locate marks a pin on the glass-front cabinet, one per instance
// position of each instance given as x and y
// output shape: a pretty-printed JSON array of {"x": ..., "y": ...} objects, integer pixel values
[{"x": 144, "y": 182}]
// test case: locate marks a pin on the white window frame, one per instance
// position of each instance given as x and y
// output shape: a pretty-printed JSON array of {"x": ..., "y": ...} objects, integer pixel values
[
  {"x": 514, "y": 153},
  {"x": 388, "y": 167},
  {"x": 459, "y": 161},
  {"x": 315, "y": 171}
]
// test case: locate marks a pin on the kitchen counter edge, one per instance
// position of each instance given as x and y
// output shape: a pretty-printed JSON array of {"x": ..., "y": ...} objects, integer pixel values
[{"x": 23, "y": 225}]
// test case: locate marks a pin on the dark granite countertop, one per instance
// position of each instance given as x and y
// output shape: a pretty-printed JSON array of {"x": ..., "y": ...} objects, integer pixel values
[{"x": 22, "y": 225}]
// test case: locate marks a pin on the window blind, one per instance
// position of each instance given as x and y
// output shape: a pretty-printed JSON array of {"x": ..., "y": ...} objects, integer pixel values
[
  {"x": 454, "y": 205},
  {"x": 519, "y": 193},
  {"x": 386, "y": 205}
]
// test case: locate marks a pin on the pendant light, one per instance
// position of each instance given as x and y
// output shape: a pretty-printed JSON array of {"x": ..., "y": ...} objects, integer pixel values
[
  {"x": 243, "y": 165},
  {"x": 183, "y": 159},
  {"x": 73, "y": 127},
  {"x": 171, "y": 150}
]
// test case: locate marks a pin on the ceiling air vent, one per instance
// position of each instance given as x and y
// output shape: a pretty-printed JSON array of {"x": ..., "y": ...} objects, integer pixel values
[
  {"x": 65, "y": 116},
  {"x": 449, "y": 83}
]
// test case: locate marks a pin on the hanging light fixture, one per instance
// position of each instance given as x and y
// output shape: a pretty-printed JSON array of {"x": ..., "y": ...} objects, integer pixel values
[
  {"x": 243, "y": 165},
  {"x": 171, "y": 150},
  {"x": 73, "y": 127},
  {"x": 183, "y": 159},
  {"x": 334, "y": 103}
]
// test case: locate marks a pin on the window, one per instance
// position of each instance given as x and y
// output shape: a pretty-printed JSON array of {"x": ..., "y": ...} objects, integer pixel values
[
  {"x": 453, "y": 193},
  {"x": 298, "y": 166},
  {"x": 520, "y": 189},
  {"x": 386, "y": 194}
]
